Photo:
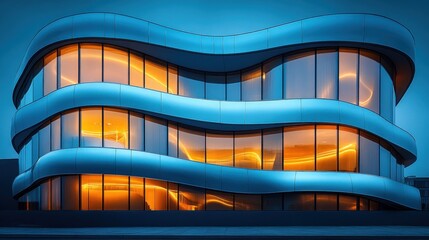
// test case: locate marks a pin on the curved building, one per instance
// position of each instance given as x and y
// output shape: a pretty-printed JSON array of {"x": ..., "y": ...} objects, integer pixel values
[{"x": 117, "y": 113}]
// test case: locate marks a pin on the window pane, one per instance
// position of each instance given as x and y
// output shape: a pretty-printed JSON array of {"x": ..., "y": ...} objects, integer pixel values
[
  {"x": 247, "y": 202},
  {"x": 91, "y": 192},
  {"x": 44, "y": 140},
  {"x": 215, "y": 87},
  {"x": 327, "y": 74},
  {"x": 191, "y": 84},
  {"x": 70, "y": 192},
  {"x": 115, "y": 192},
  {"x": 326, "y": 158},
  {"x": 173, "y": 195},
  {"x": 299, "y": 148},
  {"x": 91, "y": 127},
  {"x": 172, "y": 79},
  {"x": 155, "y": 75},
  {"x": 393, "y": 166},
  {"x": 56, "y": 193},
  {"x": 299, "y": 202},
  {"x": 299, "y": 72},
  {"x": 326, "y": 202},
  {"x": 137, "y": 201},
  {"x": 348, "y": 75},
  {"x": 248, "y": 150},
  {"x": 233, "y": 87},
  {"x": 347, "y": 203},
  {"x": 70, "y": 130},
  {"x": 363, "y": 204},
  {"x": 191, "y": 198},
  {"x": 272, "y": 79},
  {"x": 191, "y": 144},
  {"x": 272, "y": 142},
  {"x": 172, "y": 140},
  {"x": 115, "y": 128},
  {"x": 136, "y": 131},
  {"x": 369, "y": 154},
  {"x": 115, "y": 65},
  {"x": 50, "y": 73},
  {"x": 272, "y": 202},
  {"x": 68, "y": 65},
  {"x": 136, "y": 70},
  {"x": 155, "y": 131},
  {"x": 156, "y": 195},
  {"x": 220, "y": 149},
  {"x": 387, "y": 92},
  {"x": 251, "y": 84},
  {"x": 90, "y": 63},
  {"x": 348, "y": 149},
  {"x": 45, "y": 195},
  {"x": 384, "y": 161},
  {"x": 219, "y": 201},
  {"x": 38, "y": 84},
  {"x": 35, "y": 149},
  {"x": 369, "y": 73},
  {"x": 55, "y": 134}
]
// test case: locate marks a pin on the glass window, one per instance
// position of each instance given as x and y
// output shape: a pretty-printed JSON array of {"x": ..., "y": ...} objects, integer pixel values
[
  {"x": 28, "y": 155},
  {"x": 136, "y": 131},
  {"x": 347, "y": 203},
  {"x": 68, "y": 65},
  {"x": 191, "y": 84},
  {"x": 386, "y": 100},
  {"x": 45, "y": 195},
  {"x": 369, "y": 73},
  {"x": 219, "y": 201},
  {"x": 299, "y": 148},
  {"x": 348, "y": 65},
  {"x": 156, "y": 195},
  {"x": 348, "y": 149},
  {"x": 393, "y": 166},
  {"x": 91, "y": 192},
  {"x": 369, "y": 154},
  {"x": 191, "y": 198},
  {"x": 248, "y": 150},
  {"x": 326, "y": 202},
  {"x": 137, "y": 201},
  {"x": 55, "y": 134},
  {"x": 173, "y": 196},
  {"x": 70, "y": 129},
  {"x": 251, "y": 84},
  {"x": 155, "y": 75},
  {"x": 215, "y": 87},
  {"x": 326, "y": 140},
  {"x": 272, "y": 202},
  {"x": 327, "y": 74},
  {"x": 220, "y": 149},
  {"x": 115, "y": 128},
  {"x": 35, "y": 148},
  {"x": 384, "y": 161},
  {"x": 374, "y": 206},
  {"x": 172, "y": 79},
  {"x": 56, "y": 193},
  {"x": 172, "y": 140},
  {"x": 44, "y": 140},
  {"x": 299, "y": 73},
  {"x": 91, "y": 127},
  {"x": 50, "y": 73},
  {"x": 299, "y": 201},
  {"x": 136, "y": 70},
  {"x": 247, "y": 202},
  {"x": 115, "y": 65},
  {"x": 115, "y": 192},
  {"x": 38, "y": 84},
  {"x": 363, "y": 204},
  {"x": 273, "y": 152},
  {"x": 233, "y": 87},
  {"x": 90, "y": 63},
  {"x": 155, "y": 131},
  {"x": 272, "y": 79},
  {"x": 191, "y": 144},
  {"x": 70, "y": 192}
]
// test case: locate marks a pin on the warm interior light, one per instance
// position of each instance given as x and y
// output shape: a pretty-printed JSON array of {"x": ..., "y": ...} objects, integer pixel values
[{"x": 352, "y": 76}]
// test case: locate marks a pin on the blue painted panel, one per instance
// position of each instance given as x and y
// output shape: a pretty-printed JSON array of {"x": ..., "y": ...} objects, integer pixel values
[
  {"x": 157, "y": 34},
  {"x": 249, "y": 42},
  {"x": 130, "y": 28},
  {"x": 88, "y": 25},
  {"x": 288, "y": 34},
  {"x": 86, "y": 95}
]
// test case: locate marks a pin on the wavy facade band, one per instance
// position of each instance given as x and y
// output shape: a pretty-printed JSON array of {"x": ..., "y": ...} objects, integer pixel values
[{"x": 116, "y": 113}]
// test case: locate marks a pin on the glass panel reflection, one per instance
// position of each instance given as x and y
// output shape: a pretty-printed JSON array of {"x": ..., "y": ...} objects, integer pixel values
[
  {"x": 156, "y": 195},
  {"x": 245, "y": 202},
  {"x": 68, "y": 65},
  {"x": 191, "y": 83},
  {"x": 155, "y": 75},
  {"x": 219, "y": 201},
  {"x": 369, "y": 154},
  {"x": 273, "y": 152},
  {"x": 91, "y": 192},
  {"x": 220, "y": 150},
  {"x": 248, "y": 150},
  {"x": 326, "y": 157},
  {"x": 136, "y": 131},
  {"x": 215, "y": 87},
  {"x": 173, "y": 196},
  {"x": 136, "y": 70},
  {"x": 90, "y": 63},
  {"x": 233, "y": 87},
  {"x": 70, "y": 192},
  {"x": 299, "y": 74},
  {"x": 369, "y": 74},
  {"x": 272, "y": 79},
  {"x": 172, "y": 79},
  {"x": 347, "y": 203},
  {"x": 348, "y": 149},
  {"x": 191, "y": 198},
  {"x": 299, "y": 202},
  {"x": 155, "y": 131},
  {"x": 299, "y": 148},
  {"x": 55, "y": 134},
  {"x": 115, "y": 128},
  {"x": 91, "y": 127},
  {"x": 172, "y": 139},
  {"x": 327, "y": 74},
  {"x": 115, "y": 192},
  {"x": 251, "y": 84},
  {"x": 50, "y": 73},
  {"x": 191, "y": 144},
  {"x": 137, "y": 201},
  {"x": 348, "y": 65},
  {"x": 70, "y": 129},
  {"x": 115, "y": 65}
]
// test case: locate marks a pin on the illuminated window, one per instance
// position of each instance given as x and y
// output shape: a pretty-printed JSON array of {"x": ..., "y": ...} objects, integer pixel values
[
  {"x": 272, "y": 152},
  {"x": 56, "y": 193},
  {"x": 136, "y": 70},
  {"x": 299, "y": 74},
  {"x": 115, "y": 192},
  {"x": 70, "y": 192},
  {"x": 90, "y": 63},
  {"x": 173, "y": 196},
  {"x": 155, "y": 75},
  {"x": 172, "y": 79},
  {"x": 348, "y": 149},
  {"x": 251, "y": 84},
  {"x": 191, "y": 145},
  {"x": 156, "y": 195},
  {"x": 115, "y": 65},
  {"x": 347, "y": 203},
  {"x": 55, "y": 134},
  {"x": 115, "y": 128},
  {"x": 245, "y": 202},
  {"x": 327, "y": 74},
  {"x": 68, "y": 65},
  {"x": 45, "y": 140},
  {"x": 299, "y": 148},
  {"x": 220, "y": 149},
  {"x": 136, "y": 131},
  {"x": 369, "y": 75},
  {"x": 70, "y": 129},
  {"x": 363, "y": 204},
  {"x": 191, "y": 83},
  {"x": 248, "y": 150},
  {"x": 172, "y": 140},
  {"x": 299, "y": 201},
  {"x": 91, "y": 127},
  {"x": 137, "y": 201},
  {"x": 348, "y": 65},
  {"x": 326, "y": 140},
  {"x": 326, "y": 202},
  {"x": 219, "y": 201},
  {"x": 191, "y": 198},
  {"x": 91, "y": 192},
  {"x": 50, "y": 73},
  {"x": 45, "y": 195},
  {"x": 272, "y": 79}
]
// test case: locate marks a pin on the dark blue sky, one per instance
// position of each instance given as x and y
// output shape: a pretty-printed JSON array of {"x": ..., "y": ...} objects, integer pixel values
[{"x": 20, "y": 20}]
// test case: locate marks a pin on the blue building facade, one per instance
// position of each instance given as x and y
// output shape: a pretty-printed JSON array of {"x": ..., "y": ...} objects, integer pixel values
[{"x": 117, "y": 113}]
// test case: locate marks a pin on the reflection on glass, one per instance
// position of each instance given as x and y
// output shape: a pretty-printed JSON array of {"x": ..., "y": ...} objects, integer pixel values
[
  {"x": 55, "y": 134},
  {"x": 387, "y": 92},
  {"x": 91, "y": 192},
  {"x": 272, "y": 151},
  {"x": 50, "y": 73},
  {"x": 348, "y": 65},
  {"x": 233, "y": 87},
  {"x": 172, "y": 79},
  {"x": 191, "y": 198},
  {"x": 70, "y": 129},
  {"x": 155, "y": 131},
  {"x": 156, "y": 195},
  {"x": 91, "y": 127},
  {"x": 272, "y": 202},
  {"x": 45, "y": 195},
  {"x": 191, "y": 84},
  {"x": 369, "y": 73},
  {"x": 56, "y": 193},
  {"x": 115, "y": 128},
  {"x": 374, "y": 206},
  {"x": 68, "y": 65},
  {"x": 299, "y": 148},
  {"x": 326, "y": 139},
  {"x": 215, "y": 87},
  {"x": 90, "y": 63},
  {"x": 115, "y": 65},
  {"x": 173, "y": 195},
  {"x": 137, "y": 201},
  {"x": 115, "y": 192},
  {"x": 155, "y": 75},
  {"x": 299, "y": 74},
  {"x": 384, "y": 160},
  {"x": 327, "y": 74},
  {"x": 369, "y": 151},
  {"x": 299, "y": 202},
  {"x": 44, "y": 140},
  {"x": 70, "y": 192},
  {"x": 363, "y": 204},
  {"x": 347, "y": 203},
  {"x": 136, "y": 131},
  {"x": 191, "y": 145},
  {"x": 219, "y": 201},
  {"x": 220, "y": 150},
  {"x": 251, "y": 84},
  {"x": 136, "y": 70},
  {"x": 348, "y": 149},
  {"x": 326, "y": 202},
  {"x": 38, "y": 81},
  {"x": 272, "y": 79},
  {"x": 172, "y": 139},
  {"x": 248, "y": 150},
  {"x": 245, "y": 202}
]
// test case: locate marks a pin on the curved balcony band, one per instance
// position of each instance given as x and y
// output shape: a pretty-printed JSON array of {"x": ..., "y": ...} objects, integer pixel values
[
  {"x": 210, "y": 114},
  {"x": 220, "y": 178},
  {"x": 221, "y": 53}
]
